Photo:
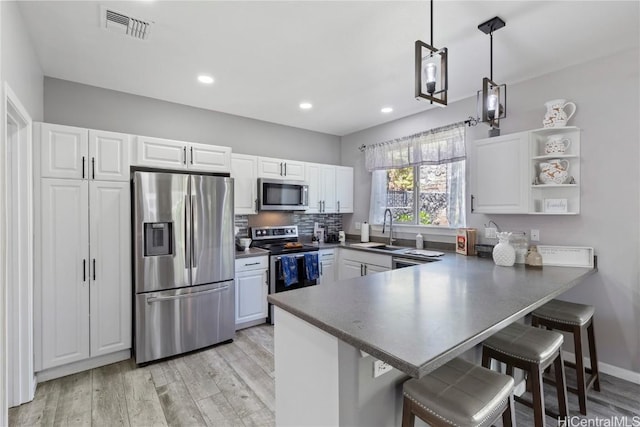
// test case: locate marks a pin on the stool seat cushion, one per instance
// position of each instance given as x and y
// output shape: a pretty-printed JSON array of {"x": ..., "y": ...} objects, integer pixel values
[
  {"x": 461, "y": 393},
  {"x": 565, "y": 312},
  {"x": 525, "y": 343}
]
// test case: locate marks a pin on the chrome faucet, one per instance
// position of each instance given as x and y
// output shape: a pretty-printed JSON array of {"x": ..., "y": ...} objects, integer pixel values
[{"x": 384, "y": 223}]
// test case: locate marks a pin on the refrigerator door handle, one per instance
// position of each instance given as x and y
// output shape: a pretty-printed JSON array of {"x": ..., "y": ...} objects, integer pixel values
[
  {"x": 187, "y": 233},
  {"x": 151, "y": 299},
  {"x": 193, "y": 232}
]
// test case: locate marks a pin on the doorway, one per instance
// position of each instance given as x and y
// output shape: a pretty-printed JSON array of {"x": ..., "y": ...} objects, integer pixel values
[{"x": 18, "y": 193}]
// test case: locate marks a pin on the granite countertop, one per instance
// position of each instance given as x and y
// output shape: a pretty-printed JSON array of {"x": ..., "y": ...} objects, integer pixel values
[
  {"x": 416, "y": 319},
  {"x": 251, "y": 253}
]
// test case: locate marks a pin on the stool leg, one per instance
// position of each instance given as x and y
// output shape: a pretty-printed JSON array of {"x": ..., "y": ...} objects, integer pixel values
[
  {"x": 408, "y": 417},
  {"x": 561, "y": 388},
  {"x": 508, "y": 416},
  {"x": 593, "y": 355},
  {"x": 537, "y": 395},
  {"x": 582, "y": 392}
]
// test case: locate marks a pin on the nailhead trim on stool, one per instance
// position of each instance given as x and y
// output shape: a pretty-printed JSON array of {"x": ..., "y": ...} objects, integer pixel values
[
  {"x": 532, "y": 350},
  {"x": 573, "y": 318},
  {"x": 459, "y": 394}
]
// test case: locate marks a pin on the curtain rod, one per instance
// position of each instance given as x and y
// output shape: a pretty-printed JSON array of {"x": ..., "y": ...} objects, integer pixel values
[{"x": 471, "y": 121}]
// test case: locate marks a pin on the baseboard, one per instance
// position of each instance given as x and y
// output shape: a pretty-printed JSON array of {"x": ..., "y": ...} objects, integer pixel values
[
  {"x": 82, "y": 365},
  {"x": 605, "y": 368},
  {"x": 250, "y": 323}
]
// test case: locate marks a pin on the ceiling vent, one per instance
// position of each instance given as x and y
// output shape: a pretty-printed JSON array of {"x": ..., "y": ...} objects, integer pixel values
[{"x": 121, "y": 23}]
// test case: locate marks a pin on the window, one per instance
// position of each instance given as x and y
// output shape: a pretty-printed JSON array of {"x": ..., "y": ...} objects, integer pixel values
[{"x": 420, "y": 179}]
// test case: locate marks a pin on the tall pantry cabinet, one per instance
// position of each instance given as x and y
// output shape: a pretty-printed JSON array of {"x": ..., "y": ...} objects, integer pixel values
[{"x": 83, "y": 279}]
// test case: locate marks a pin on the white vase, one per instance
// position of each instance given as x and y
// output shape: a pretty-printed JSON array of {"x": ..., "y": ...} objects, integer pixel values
[{"x": 503, "y": 253}]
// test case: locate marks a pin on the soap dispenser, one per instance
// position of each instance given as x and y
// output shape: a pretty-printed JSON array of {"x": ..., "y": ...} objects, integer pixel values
[{"x": 419, "y": 241}]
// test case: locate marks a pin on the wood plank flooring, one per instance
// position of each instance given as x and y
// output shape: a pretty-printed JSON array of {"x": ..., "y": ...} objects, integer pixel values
[{"x": 227, "y": 385}]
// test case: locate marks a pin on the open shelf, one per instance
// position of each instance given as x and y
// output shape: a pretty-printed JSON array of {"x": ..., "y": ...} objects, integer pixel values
[{"x": 555, "y": 156}]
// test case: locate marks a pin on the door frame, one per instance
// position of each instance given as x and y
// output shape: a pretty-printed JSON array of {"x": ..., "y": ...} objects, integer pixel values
[{"x": 18, "y": 199}]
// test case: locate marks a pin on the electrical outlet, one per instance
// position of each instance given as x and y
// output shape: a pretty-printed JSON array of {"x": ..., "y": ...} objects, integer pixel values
[
  {"x": 358, "y": 226},
  {"x": 535, "y": 235},
  {"x": 490, "y": 232},
  {"x": 380, "y": 367}
]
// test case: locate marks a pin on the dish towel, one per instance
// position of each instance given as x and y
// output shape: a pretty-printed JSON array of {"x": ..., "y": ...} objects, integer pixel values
[
  {"x": 289, "y": 270},
  {"x": 311, "y": 266}
]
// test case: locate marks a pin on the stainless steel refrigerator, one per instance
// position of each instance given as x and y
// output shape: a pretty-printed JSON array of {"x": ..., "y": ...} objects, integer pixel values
[{"x": 184, "y": 254}]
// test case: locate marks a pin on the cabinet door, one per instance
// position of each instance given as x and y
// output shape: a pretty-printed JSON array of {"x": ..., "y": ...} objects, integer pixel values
[
  {"x": 350, "y": 269},
  {"x": 312, "y": 177},
  {"x": 251, "y": 295},
  {"x": 328, "y": 180},
  {"x": 270, "y": 168},
  {"x": 327, "y": 264},
  {"x": 372, "y": 269},
  {"x": 500, "y": 174},
  {"x": 210, "y": 158},
  {"x": 110, "y": 267},
  {"x": 344, "y": 189},
  {"x": 109, "y": 156},
  {"x": 161, "y": 153},
  {"x": 65, "y": 273},
  {"x": 244, "y": 171},
  {"x": 63, "y": 151},
  {"x": 293, "y": 170}
]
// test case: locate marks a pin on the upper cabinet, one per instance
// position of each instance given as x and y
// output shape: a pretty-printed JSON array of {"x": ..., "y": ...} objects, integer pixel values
[
  {"x": 77, "y": 153},
  {"x": 532, "y": 172},
  {"x": 170, "y": 154},
  {"x": 344, "y": 189},
  {"x": 280, "y": 169},
  {"x": 244, "y": 171},
  {"x": 322, "y": 188}
]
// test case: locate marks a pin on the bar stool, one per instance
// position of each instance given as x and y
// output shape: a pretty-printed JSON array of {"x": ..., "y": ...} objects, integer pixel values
[
  {"x": 532, "y": 350},
  {"x": 573, "y": 318},
  {"x": 461, "y": 394}
]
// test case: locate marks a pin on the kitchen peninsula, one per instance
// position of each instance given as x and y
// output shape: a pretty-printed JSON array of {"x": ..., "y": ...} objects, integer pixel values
[{"x": 414, "y": 319}]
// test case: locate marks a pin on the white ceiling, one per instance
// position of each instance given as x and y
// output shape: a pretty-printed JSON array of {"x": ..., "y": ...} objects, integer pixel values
[{"x": 348, "y": 58}]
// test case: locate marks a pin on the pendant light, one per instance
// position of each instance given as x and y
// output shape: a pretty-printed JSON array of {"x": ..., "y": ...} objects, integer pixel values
[
  {"x": 492, "y": 99},
  {"x": 431, "y": 71}
]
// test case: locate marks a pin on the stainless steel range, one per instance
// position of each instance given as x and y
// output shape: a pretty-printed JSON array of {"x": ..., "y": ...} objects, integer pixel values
[{"x": 282, "y": 241}]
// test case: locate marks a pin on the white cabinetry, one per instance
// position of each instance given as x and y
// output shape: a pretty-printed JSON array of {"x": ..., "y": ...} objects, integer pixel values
[
  {"x": 505, "y": 171},
  {"x": 244, "y": 171},
  {"x": 76, "y": 153},
  {"x": 280, "y": 169},
  {"x": 252, "y": 287},
  {"x": 354, "y": 263},
  {"x": 170, "y": 154},
  {"x": 500, "y": 174},
  {"x": 322, "y": 188},
  {"x": 83, "y": 282},
  {"x": 327, "y": 265},
  {"x": 344, "y": 189}
]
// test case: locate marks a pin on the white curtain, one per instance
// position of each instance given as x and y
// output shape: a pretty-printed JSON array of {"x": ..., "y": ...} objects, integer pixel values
[
  {"x": 444, "y": 145},
  {"x": 433, "y": 147}
]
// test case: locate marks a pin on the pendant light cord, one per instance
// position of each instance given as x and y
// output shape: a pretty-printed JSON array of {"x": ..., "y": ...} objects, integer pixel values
[
  {"x": 432, "y": 23},
  {"x": 491, "y": 55}
]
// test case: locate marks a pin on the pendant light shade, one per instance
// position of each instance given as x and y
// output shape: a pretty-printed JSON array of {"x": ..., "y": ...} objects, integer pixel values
[
  {"x": 431, "y": 81},
  {"x": 492, "y": 99}
]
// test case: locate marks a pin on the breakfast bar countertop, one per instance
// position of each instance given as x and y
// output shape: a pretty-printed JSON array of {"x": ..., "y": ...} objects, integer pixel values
[{"x": 416, "y": 319}]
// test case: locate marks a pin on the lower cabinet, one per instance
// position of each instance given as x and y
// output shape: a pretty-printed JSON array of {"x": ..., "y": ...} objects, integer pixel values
[
  {"x": 252, "y": 287},
  {"x": 327, "y": 264},
  {"x": 83, "y": 283},
  {"x": 355, "y": 263}
]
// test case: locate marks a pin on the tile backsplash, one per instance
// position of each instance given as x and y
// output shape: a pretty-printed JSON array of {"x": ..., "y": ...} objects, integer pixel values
[{"x": 305, "y": 222}]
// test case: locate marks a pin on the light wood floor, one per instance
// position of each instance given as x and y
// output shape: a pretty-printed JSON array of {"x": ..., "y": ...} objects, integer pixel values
[{"x": 227, "y": 385}]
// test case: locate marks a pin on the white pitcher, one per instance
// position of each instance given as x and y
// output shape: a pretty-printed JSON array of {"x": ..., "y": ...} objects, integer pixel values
[
  {"x": 556, "y": 116},
  {"x": 556, "y": 144}
]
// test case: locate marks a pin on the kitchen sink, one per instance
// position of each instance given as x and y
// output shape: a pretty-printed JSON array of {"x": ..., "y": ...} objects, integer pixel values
[{"x": 389, "y": 248}]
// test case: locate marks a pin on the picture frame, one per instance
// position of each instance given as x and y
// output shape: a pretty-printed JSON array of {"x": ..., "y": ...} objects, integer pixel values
[{"x": 555, "y": 205}]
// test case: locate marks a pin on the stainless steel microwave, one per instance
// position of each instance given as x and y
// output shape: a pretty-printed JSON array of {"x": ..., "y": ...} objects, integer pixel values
[{"x": 277, "y": 195}]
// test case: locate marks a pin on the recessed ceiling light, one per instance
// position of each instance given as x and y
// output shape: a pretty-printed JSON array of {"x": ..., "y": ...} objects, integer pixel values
[
  {"x": 305, "y": 105},
  {"x": 206, "y": 79},
  {"x": 386, "y": 110}
]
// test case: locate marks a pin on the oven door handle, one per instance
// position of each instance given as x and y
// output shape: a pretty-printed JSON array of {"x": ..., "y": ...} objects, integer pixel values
[{"x": 300, "y": 255}]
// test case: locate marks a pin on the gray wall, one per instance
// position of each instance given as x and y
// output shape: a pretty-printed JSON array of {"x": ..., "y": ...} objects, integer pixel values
[
  {"x": 606, "y": 93},
  {"x": 20, "y": 66},
  {"x": 76, "y": 104}
]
